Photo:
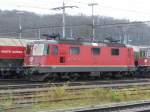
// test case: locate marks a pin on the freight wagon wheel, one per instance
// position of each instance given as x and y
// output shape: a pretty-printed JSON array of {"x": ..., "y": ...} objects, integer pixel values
[{"x": 5, "y": 73}]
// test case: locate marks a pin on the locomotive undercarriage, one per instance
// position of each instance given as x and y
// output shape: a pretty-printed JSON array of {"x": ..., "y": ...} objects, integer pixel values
[
  {"x": 143, "y": 71},
  {"x": 73, "y": 76},
  {"x": 41, "y": 74}
]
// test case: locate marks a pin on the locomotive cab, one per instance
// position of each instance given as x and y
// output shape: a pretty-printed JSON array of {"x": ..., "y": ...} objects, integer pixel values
[
  {"x": 35, "y": 52},
  {"x": 144, "y": 57},
  {"x": 41, "y": 54}
]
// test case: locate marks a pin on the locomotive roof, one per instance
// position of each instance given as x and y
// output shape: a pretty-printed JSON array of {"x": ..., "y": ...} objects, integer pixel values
[
  {"x": 138, "y": 48},
  {"x": 78, "y": 42}
]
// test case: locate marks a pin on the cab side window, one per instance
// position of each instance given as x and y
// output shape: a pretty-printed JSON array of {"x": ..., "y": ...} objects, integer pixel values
[
  {"x": 95, "y": 51},
  {"x": 148, "y": 53},
  {"x": 28, "y": 49},
  {"x": 74, "y": 50},
  {"x": 115, "y": 52},
  {"x": 55, "y": 50},
  {"x": 46, "y": 49}
]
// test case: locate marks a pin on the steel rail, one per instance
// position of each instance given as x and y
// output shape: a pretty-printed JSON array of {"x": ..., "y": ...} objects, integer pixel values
[
  {"x": 138, "y": 106},
  {"x": 24, "y": 85},
  {"x": 23, "y": 90},
  {"x": 27, "y": 98}
]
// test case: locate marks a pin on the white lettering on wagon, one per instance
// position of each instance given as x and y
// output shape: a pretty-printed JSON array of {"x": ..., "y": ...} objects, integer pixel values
[{"x": 10, "y": 52}]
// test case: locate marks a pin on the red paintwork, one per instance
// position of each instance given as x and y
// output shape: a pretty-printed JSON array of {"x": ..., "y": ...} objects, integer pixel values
[
  {"x": 85, "y": 58},
  {"x": 12, "y": 52},
  {"x": 144, "y": 61}
]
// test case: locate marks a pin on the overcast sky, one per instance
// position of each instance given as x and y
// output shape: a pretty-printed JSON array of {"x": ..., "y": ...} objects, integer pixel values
[{"x": 135, "y": 10}]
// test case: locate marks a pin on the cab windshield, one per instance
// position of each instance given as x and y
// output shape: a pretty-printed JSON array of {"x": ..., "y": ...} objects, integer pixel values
[
  {"x": 40, "y": 49},
  {"x": 28, "y": 49}
]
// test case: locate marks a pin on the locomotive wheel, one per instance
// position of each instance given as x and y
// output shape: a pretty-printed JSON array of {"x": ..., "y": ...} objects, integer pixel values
[
  {"x": 52, "y": 77},
  {"x": 73, "y": 76},
  {"x": 36, "y": 77}
]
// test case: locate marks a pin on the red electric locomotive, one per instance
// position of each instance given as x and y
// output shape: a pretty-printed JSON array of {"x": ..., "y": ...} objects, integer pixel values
[
  {"x": 144, "y": 61},
  {"x": 144, "y": 57},
  {"x": 73, "y": 58}
]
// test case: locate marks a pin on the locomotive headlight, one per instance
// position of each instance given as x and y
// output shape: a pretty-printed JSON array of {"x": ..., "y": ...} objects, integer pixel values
[
  {"x": 31, "y": 59},
  {"x": 145, "y": 60}
]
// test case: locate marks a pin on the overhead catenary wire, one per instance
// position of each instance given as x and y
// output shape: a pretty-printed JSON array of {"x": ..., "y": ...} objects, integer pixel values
[
  {"x": 121, "y": 24},
  {"x": 116, "y": 8},
  {"x": 86, "y": 4},
  {"x": 98, "y": 25},
  {"x": 64, "y": 14}
]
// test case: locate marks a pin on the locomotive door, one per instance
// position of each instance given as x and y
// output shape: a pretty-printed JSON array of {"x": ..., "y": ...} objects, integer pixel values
[
  {"x": 54, "y": 49},
  {"x": 62, "y": 57},
  {"x": 129, "y": 57}
]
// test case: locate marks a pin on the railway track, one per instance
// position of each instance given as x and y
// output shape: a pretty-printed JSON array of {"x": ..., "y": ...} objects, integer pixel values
[
  {"x": 26, "y": 94},
  {"x": 23, "y": 84},
  {"x": 140, "y": 106},
  {"x": 135, "y": 106}
]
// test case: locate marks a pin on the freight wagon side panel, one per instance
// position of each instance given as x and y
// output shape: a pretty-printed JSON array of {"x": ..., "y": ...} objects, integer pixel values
[{"x": 12, "y": 52}]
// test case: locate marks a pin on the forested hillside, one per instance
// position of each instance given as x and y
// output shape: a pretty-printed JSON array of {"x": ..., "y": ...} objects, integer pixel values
[{"x": 76, "y": 26}]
